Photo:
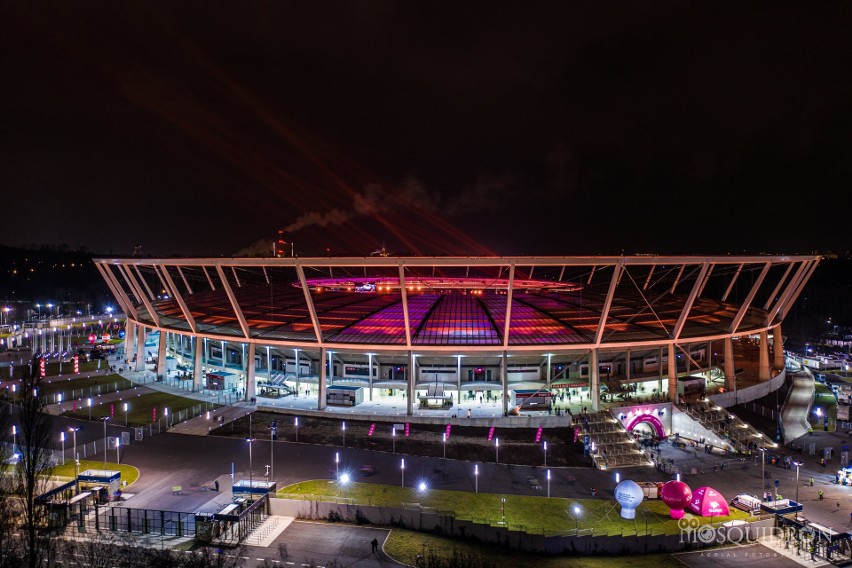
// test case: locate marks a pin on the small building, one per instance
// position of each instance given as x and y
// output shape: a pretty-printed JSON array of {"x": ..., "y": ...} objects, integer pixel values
[{"x": 344, "y": 395}]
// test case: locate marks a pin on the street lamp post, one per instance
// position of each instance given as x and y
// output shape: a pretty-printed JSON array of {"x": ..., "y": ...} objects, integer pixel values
[
  {"x": 296, "y": 424},
  {"x": 545, "y": 453},
  {"x": 444, "y": 440},
  {"x": 62, "y": 439},
  {"x": 89, "y": 401},
  {"x": 14, "y": 440},
  {"x": 476, "y": 478},
  {"x": 336, "y": 466},
  {"x": 577, "y": 519},
  {"x": 251, "y": 478},
  {"x": 402, "y": 472},
  {"x": 125, "y": 414},
  {"x": 797, "y": 464},
  {"x": 393, "y": 440},
  {"x": 105, "y": 420},
  {"x": 74, "y": 432},
  {"x": 421, "y": 489},
  {"x": 503, "y": 510},
  {"x": 762, "y": 472},
  {"x": 343, "y": 428},
  {"x": 548, "y": 483}
]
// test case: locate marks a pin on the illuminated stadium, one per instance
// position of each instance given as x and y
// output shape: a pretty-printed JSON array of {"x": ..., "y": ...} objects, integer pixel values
[{"x": 432, "y": 332}]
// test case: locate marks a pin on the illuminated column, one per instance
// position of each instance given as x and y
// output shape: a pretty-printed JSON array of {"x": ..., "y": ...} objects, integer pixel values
[
  {"x": 504, "y": 381},
  {"x": 672, "y": 373},
  {"x": 322, "y": 380},
  {"x": 412, "y": 373},
  {"x": 129, "y": 341},
  {"x": 660, "y": 371},
  {"x": 627, "y": 369},
  {"x": 458, "y": 380},
  {"x": 251, "y": 387},
  {"x": 778, "y": 346},
  {"x": 763, "y": 367},
  {"x": 370, "y": 371},
  {"x": 161, "y": 355},
  {"x": 730, "y": 374},
  {"x": 198, "y": 363},
  {"x": 141, "y": 332},
  {"x": 594, "y": 381}
]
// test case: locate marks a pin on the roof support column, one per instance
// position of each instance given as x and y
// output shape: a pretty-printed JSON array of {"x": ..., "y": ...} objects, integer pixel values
[
  {"x": 370, "y": 370},
  {"x": 251, "y": 385},
  {"x": 730, "y": 373},
  {"x": 161, "y": 355},
  {"x": 504, "y": 382},
  {"x": 627, "y": 369},
  {"x": 778, "y": 347},
  {"x": 140, "y": 349},
  {"x": 321, "y": 386},
  {"x": 458, "y": 381},
  {"x": 594, "y": 381},
  {"x": 672, "y": 373},
  {"x": 129, "y": 341},
  {"x": 660, "y": 371},
  {"x": 763, "y": 367},
  {"x": 298, "y": 367},
  {"x": 197, "y": 363},
  {"x": 412, "y": 373}
]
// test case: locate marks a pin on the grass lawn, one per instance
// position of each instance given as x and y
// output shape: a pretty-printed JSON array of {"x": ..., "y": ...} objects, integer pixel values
[
  {"x": 140, "y": 408},
  {"x": 825, "y": 401},
  {"x": 405, "y": 545},
  {"x": 72, "y": 387},
  {"x": 532, "y": 514},
  {"x": 128, "y": 473}
]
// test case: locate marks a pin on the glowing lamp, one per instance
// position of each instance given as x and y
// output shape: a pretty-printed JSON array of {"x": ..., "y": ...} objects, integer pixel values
[
  {"x": 629, "y": 495},
  {"x": 676, "y": 495}
]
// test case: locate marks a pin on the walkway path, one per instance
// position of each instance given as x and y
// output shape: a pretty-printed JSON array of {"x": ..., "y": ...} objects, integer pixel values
[{"x": 795, "y": 412}]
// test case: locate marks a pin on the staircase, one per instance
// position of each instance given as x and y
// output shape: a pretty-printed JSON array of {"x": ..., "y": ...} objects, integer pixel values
[
  {"x": 739, "y": 436},
  {"x": 612, "y": 446},
  {"x": 266, "y": 533}
]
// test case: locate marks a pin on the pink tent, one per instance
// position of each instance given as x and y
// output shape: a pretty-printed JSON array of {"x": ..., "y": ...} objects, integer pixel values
[{"x": 707, "y": 502}]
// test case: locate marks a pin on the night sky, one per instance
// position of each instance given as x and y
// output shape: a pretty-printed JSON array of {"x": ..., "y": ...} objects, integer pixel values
[{"x": 201, "y": 128}]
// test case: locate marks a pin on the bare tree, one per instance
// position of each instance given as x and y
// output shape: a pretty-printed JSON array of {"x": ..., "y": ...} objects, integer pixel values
[
  {"x": 35, "y": 429},
  {"x": 11, "y": 553}
]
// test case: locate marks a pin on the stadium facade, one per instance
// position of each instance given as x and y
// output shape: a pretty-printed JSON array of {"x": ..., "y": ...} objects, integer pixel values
[{"x": 435, "y": 331}]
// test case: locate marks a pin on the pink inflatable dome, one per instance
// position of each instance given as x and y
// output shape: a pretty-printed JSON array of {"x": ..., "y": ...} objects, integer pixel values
[{"x": 676, "y": 494}]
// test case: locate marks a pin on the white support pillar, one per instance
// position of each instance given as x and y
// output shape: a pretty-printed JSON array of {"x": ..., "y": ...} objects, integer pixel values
[
  {"x": 412, "y": 374},
  {"x": 778, "y": 347},
  {"x": 141, "y": 332},
  {"x": 660, "y": 371},
  {"x": 594, "y": 381},
  {"x": 504, "y": 382},
  {"x": 370, "y": 371},
  {"x": 129, "y": 341},
  {"x": 458, "y": 380},
  {"x": 672, "y": 373},
  {"x": 161, "y": 355},
  {"x": 730, "y": 369},
  {"x": 628, "y": 370},
  {"x": 763, "y": 367},
  {"x": 321, "y": 398},
  {"x": 251, "y": 386},
  {"x": 198, "y": 363}
]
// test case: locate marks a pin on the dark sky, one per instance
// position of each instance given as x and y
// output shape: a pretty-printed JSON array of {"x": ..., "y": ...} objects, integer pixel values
[{"x": 201, "y": 128}]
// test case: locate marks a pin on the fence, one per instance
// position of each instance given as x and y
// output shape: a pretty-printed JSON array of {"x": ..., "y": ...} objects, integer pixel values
[{"x": 89, "y": 450}]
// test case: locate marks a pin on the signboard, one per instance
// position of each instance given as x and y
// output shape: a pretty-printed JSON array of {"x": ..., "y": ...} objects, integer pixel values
[
  {"x": 105, "y": 337},
  {"x": 842, "y": 412},
  {"x": 125, "y": 438},
  {"x": 139, "y": 433}
]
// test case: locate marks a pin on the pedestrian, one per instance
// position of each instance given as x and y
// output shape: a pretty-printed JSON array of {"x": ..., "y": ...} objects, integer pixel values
[
  {"x": 821, "y": 496},
  {"x": 375, "y": 544},
  {"x": 594, "y": 491},
  {"x": 216, "y": 485},
  {"x": 468, "y": 413}
]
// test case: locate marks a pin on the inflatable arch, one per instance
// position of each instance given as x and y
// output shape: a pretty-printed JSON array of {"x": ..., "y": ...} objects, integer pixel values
[{"x": 650, "y": 418}]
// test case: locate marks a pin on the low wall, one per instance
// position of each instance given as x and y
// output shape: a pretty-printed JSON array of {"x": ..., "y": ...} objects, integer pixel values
[
  {"x": 435, "y": 522},
  {"x": 739, "y": 396}
]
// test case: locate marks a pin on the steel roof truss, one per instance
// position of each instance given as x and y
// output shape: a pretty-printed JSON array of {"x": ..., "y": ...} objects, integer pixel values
[{"x": 234, "y": 304}]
